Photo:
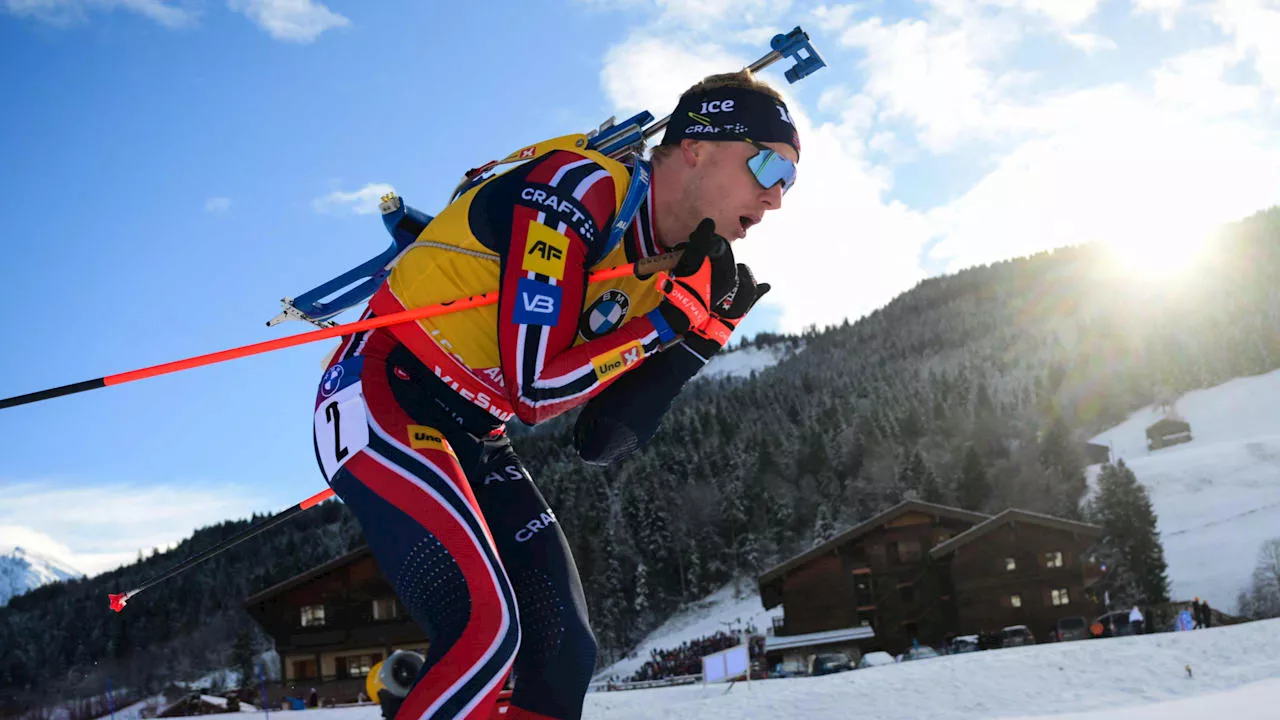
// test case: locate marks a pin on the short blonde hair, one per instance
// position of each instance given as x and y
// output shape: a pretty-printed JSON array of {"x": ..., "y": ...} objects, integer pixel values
[{"x": 741, "y": 79}]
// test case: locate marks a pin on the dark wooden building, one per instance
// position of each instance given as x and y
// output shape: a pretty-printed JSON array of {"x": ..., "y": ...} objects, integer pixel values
[
  {"x": 1096, "y": 454},
  {"x": 868, "y": 588},
  {"x": 331, "y": 625},
  {"x": 1019, "y": 568},
  {"x": 1168, "y": 431}
]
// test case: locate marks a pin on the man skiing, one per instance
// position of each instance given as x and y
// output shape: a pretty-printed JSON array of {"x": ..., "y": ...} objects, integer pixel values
[{"x": 410, "y": 419}]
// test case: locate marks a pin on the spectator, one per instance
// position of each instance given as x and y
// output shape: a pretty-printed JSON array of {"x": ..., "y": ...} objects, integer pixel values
[
  {"x": 314, "y": 699},
  {"x": 1197, "y": 613},
  {"x": 1206, "y": 614},
  {"x": 687, "y": 659},
  {"x": 1135, "y": 620}
]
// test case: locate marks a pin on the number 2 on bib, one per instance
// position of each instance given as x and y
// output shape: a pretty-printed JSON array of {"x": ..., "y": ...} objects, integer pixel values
[{"x": 341, "y": 428}]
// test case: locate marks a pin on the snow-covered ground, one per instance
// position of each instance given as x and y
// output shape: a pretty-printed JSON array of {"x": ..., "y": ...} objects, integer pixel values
[
  {"x": 1235, "y": 673},
  {"x": 718, "y": 611},
  {"x": 1218, "y": 496},
  {"x": 22, "y": 570},
  {"x": 741, "y": 363}
]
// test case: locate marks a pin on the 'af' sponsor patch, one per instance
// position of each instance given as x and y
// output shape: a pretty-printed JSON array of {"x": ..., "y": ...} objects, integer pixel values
[
  {"x": 545, "y": 251},
  {"x": 560, "y": 206},
  {"x": 615, "y": 361},
  {"x": 537, "y": 303},
  {"x": 422, "y": 437}
]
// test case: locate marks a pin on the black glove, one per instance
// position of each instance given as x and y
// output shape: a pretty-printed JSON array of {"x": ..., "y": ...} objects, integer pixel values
[
  {"x": 703, "y": 277},
  {"x": 713, "y": 335}
]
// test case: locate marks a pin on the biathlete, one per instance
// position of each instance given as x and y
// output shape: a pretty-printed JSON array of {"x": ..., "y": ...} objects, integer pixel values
[{"x": 410, "y": 419}]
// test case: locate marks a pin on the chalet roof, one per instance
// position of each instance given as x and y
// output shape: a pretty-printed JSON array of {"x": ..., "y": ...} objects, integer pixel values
[
  {"x": 867, "y": 526},
  {"x": 1167, "y": 423},
  {"x": 1009, "y": 516},
  {"x": 308, "y": 574}
]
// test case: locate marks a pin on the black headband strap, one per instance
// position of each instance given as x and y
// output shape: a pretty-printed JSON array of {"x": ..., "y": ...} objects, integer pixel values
[{"x": 731, "y": 114}]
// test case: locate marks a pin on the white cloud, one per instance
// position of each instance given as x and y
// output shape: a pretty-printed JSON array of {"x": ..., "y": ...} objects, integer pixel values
[
  {"x": 1195, "y": 80},
  {"x": 833, "y": 18},
  {"x": 932, "y": 73},
  {"x": 62, "y": 12},
  {"x": 1255, "y": 26},
  {"x": 217, "y": 205},
  {"x": 1089, "y": 42},
  {"x": 296, "y": 20},
  {"x": 95, "y": 529},
  {"x": 360, "y": 202},
  {"x": 1166, "y": 10},
  {"x": 1114, "y": 168}
]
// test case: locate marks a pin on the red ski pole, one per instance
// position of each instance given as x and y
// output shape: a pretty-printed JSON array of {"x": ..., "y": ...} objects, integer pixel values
[
  {"x": 118, "y": 601},
  {"x": 656, "y": 263}
]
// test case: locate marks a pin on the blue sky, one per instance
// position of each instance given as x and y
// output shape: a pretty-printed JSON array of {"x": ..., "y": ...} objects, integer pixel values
[{"x": 171, "y": 169}]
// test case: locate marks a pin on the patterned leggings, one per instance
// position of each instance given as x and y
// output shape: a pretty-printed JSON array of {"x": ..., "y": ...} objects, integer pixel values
[{"x": 454, "y": 520}]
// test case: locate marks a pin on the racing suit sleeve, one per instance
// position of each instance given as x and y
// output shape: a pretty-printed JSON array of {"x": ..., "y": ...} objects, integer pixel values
[
  {"x": 560, "y": 209},
  {"x": 626, "y": 415}
]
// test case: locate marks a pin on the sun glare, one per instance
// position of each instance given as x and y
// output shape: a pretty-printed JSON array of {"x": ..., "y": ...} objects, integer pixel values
[{"x": 1164, "y": 257}]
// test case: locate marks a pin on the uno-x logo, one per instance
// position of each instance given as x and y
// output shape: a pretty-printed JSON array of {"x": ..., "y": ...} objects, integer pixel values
[
  {"x": 716, "y": 106},
  {"x": 611, "y": 363},
  {"x": 528, "y": 152},
  {"x": 422, "y": 437},
  {"x": 542, "y": 522},
  {"x": 510, "y": 472}
]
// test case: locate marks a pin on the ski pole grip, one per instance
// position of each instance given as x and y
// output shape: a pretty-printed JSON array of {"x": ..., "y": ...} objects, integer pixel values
[{"x": 645, "y": 267}]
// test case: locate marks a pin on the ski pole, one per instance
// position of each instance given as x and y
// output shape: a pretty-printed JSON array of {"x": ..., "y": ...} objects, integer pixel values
[
  {"x": 646, "y": 266},
  {"x": 118, "y": 601}
]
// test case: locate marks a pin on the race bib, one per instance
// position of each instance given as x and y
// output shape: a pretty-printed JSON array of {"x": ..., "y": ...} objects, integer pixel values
[{"x": 341, "y": 428}]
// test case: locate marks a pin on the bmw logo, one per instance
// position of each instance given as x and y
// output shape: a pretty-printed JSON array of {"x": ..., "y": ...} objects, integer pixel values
[
  {"x": 332, "y": 379},
  {"x": 604, "y": 315}
]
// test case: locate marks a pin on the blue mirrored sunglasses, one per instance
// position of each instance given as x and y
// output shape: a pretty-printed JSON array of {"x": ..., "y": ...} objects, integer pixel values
[{"x": 771, "y": 168}]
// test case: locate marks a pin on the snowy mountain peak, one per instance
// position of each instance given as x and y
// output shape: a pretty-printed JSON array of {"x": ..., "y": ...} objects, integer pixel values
[{"x": 22, "y": 570}]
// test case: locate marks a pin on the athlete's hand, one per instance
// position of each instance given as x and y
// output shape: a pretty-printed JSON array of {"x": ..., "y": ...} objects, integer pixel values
[
  {"x": 705, "y": 276},
  {"x": 708, "y": 338}
]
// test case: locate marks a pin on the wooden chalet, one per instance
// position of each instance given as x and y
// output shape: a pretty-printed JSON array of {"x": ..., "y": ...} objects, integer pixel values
[
  {"x": 868, "y": 588},
  {"x": 1019, "y": 568},
  {"x": 331, "y": 625},
  {"x": 1096, "y": 454}
]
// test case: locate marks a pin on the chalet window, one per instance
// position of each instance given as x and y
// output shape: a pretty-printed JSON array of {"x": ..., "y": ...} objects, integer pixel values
[
  {"x": 312, "y": 615},
  {"x": 909, "y": 551},
  {"x": 1010, "y": 564},
  {"x": 304, "y": 669},
  {"x": 358, "y": 665},
  {"x": 1053, "y": 559},
  {"x": 384, "y": 608},
  {"x": 1015, "y": 600},
  {"x": 1060, "y": 597}
]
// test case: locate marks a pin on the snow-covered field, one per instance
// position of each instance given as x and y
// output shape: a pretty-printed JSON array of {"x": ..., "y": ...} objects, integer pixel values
[
  {"x": 1236, "y": 674},
  {"x": 1218, "y": 496},
  {"x": 741, "y": 363},
  {"x": 718, "y": 611}
]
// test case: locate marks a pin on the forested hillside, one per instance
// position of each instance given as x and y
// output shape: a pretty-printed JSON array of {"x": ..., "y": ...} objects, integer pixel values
[{"x": 973, "y": 389}]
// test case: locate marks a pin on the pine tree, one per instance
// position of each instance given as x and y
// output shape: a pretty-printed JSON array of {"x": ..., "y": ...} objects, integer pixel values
[
  {"x": 823, "y": 526},
  {"x": 974, "y": 488},
  {"x": 1062, "y": 467},
  {"x": 242, "y": 657},
  {"x": 1130, "y": 546}
]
